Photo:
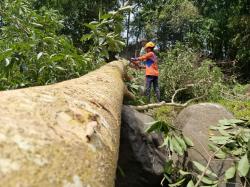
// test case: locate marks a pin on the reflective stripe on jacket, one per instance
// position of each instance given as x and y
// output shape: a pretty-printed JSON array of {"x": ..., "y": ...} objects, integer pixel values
[{"x": 151, "y": 63}]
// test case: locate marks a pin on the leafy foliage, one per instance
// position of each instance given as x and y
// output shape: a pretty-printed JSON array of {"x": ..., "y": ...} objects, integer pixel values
[
  {"x": 228, "y": 32},
  {"x": 235, "y": 137},
  {"x": 172, "y": 20},
  {"x": 32, "y": 51},
  {"x": 241, "y": 109},
  {"x": 175, "y": 143},
  {"x": 105, "y": 35},
  {"x": 218, "y": 28},
  {"x": 181, "y": 68},
  {"x": 232, "y": 140},
  {"x": 136, "y": 85},
  {"x": 166, "y": 113},
  {"x": 76, "y": 13}
]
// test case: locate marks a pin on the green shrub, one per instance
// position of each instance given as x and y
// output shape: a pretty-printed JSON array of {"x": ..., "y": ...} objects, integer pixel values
[
  {"x": 240, "y": 109},
  {"x": 32, "y": 52},
  {"x": 105, "y": 35},
  {"x": 166, "y": 113},
  {"x": 136, "y": 86},
  {"x": 241, "y": 89},
  {"x": 181, "y": 67}
]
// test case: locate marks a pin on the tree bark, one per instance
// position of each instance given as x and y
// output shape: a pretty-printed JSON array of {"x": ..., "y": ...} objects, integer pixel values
[{"x": 66, "y": 134}]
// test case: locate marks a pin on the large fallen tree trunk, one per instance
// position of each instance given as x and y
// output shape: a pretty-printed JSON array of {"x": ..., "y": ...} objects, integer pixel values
[{"x": 65, "y": 134}]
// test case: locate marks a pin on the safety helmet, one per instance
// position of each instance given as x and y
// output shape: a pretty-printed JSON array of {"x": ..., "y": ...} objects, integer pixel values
[{"x": 150, "y": 44}]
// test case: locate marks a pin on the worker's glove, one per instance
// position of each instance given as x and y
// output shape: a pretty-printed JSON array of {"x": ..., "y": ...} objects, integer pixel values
[{"x": 134, "y": 59}]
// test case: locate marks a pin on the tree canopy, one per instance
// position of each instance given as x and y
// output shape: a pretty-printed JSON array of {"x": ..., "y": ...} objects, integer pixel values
[{"x": 217, "y": 29}]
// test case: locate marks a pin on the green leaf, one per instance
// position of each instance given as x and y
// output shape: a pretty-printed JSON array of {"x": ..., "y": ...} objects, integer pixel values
[
  {"x": 168, "y": 178},
  {"x": 168, "y": 167},
  {"x": 171, "y": 147},
  {"x": 86, "y": 37},
  {"x": 181, "y": 142},
  {"x": 7, "y": 62},
  {"x": 220, "y": 139},
  {"x": 154, "y": 126},
  {"x": 190, "y": 184},
  {"x": 230, "y": 121},
  {"x": 60, "y": 68},
  {"x": 157, "y": 126},
  {"x": 206, "y": 180},
  {"x": 201, "y": 168},
  {"x": 5, "y": 54},
  {"x": 106, "y": 16},
  {"x": 165, "y": 142},
  {"x": 220, "y": 154},
  {"x": 39, "y": 55},
  {"x": 92, "y": 25},
  {"x": 223, "y": 132},
  {"x": 57, "y": 57},
  {"x": 179, "y": 183},
  {"x": 188, "y": 141},
  {"x": 41, "y": 69},
  {"x": 224, "y": 122},
  {"x": 184, "y": 172},
  {"x": 177, "y": 146},
  {"x": 121, "y": 171},
  {"x": 236, "y": 121},
  {"x": 48, "y": 39},
  {"x": 237, "y": 151},
  {"x": 230, "y": 172},
  {"x": 243, "y": 166},
  {"x": 134, "y": 86},
  {"x": 37, "y": 25}
]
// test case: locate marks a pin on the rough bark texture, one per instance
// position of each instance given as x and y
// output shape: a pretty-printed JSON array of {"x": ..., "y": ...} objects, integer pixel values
[{"x": 65, "y": 134}]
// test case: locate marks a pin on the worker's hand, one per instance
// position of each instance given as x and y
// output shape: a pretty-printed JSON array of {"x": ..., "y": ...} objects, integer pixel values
[
  {"x": 142, "y": 67},
  {"x": 134, "y": 59}
]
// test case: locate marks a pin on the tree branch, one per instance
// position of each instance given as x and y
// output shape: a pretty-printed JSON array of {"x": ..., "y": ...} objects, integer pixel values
[
  {"x": 163, "y": 103},
  {"x": 179, "y": 90},
  {"x": 176, "y": 92}
]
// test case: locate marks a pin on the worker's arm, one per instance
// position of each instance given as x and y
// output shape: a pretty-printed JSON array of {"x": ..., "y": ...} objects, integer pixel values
[
  {"x": 135, "y": 63},
  {"x": 142, "y": 58},
  {"x": 145, "y": 57}
]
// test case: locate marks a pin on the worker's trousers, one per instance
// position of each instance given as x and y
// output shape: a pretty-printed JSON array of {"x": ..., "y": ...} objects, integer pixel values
[{"x": 149, "y": 80}]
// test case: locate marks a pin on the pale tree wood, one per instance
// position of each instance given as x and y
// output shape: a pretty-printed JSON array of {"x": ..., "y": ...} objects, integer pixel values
[
  {"x": 65, "y": 134},
  {"x": 163, "y": 103}
]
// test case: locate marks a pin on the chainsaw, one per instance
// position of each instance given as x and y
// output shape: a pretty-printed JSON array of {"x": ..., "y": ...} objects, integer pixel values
[{"x": 135, "y": 63}]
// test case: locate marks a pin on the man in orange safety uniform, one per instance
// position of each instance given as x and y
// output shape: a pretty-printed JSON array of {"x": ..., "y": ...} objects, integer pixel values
[{"x": 152, "y": 72}]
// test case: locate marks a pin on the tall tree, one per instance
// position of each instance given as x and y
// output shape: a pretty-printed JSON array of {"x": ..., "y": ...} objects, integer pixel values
[
  {"x": 219, "y": 28},
  {"x": 78, "y": 12},
  {"x": 228, "y": 25}
]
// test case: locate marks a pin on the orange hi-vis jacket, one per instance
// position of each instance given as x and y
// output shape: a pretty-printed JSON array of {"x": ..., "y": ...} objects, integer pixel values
[{"x": 151, "y": 63}]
